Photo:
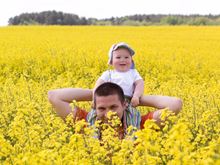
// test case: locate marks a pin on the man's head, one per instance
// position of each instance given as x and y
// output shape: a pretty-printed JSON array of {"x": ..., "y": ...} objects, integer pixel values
[{"x": 109, "y": 97}]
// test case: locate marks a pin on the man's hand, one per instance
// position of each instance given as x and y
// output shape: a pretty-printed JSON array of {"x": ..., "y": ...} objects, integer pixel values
[{"x": 135, "y": 101}]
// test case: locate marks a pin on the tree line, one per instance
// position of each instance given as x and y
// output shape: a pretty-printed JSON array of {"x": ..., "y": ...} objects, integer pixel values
[{"x": 60, "y": 18}]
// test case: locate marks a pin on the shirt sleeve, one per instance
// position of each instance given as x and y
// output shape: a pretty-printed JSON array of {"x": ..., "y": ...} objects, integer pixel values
[
  {"x": 105, "y": 76},
  {"x": 136, "y": 75}
]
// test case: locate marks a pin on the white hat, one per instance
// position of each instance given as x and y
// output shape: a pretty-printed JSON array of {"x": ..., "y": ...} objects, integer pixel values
[{"x": 115, "y": 47}]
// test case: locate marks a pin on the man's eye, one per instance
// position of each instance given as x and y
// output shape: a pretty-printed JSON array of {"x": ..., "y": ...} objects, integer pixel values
[
  {"x": 113, "y": 108},
  {"x": 101, "y": 109}
]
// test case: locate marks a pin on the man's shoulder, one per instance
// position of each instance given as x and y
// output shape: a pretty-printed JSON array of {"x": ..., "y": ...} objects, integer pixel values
[
  {"x": 133, "y": 117},
  {"x": 91, "y": 116}
]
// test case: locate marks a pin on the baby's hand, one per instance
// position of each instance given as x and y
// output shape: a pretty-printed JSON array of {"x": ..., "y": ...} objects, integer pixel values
[{"x": 134, "y": 101}]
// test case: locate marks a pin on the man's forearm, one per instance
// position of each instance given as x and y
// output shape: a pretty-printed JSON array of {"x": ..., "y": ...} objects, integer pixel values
[
  {"x": 70, "y": 94},
  {"x": 60, "y": 99},
  {"x": 160, "y": 102}
]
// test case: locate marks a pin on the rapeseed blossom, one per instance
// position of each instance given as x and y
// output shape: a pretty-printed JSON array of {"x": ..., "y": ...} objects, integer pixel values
[{"x": 176, "y": 61}]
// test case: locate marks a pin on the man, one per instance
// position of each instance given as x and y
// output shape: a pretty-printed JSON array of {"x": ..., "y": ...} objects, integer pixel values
[{"x": 110, "y": 97}]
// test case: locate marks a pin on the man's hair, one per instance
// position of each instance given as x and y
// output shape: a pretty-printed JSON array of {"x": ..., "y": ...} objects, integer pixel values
[{"x": 107, "y": 89}]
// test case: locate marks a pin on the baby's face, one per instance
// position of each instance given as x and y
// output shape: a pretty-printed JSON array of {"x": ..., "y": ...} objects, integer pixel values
[{"x": 122, "y": 60}]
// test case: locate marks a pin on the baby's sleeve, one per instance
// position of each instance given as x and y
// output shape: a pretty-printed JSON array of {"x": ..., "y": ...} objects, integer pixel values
[
  {"x": 137, "y": 75},
  {"x": 105, "y": 76}
]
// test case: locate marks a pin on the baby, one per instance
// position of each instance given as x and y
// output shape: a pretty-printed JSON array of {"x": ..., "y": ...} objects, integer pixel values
[{"x": 124, "y": 73}]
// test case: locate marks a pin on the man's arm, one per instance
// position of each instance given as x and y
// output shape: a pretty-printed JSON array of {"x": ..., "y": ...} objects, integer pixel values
[
  {"x": 60, "y": 99},
  {"x": 159, "y": 102}
]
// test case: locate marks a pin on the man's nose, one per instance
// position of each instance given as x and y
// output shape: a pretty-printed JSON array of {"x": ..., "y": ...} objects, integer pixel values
[{"x": 107, "y": 110}]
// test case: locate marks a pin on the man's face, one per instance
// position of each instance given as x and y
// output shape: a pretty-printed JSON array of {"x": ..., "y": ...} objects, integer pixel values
[{"x": 104, "y": 104}]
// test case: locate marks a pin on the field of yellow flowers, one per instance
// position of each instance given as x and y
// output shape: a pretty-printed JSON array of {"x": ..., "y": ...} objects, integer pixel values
[{"x": 176, "y": 61}]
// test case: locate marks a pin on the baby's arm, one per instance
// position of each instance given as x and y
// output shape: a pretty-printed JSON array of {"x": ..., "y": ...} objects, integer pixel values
[
  {"x": 138, "y": 92},
  {"x": 60, "y": 99}
]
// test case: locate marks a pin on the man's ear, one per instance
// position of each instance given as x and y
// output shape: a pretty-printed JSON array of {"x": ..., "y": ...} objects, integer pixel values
[
  {"x": 125, "y": 104},
  {"x": 93, "y": 104}
]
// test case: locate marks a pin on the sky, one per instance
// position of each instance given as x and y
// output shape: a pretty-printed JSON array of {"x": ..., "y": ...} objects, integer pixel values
[{"x": 108, "y": 8}]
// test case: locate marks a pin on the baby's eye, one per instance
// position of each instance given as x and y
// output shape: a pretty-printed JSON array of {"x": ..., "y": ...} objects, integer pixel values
[{"x": 118, "y": 57}]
